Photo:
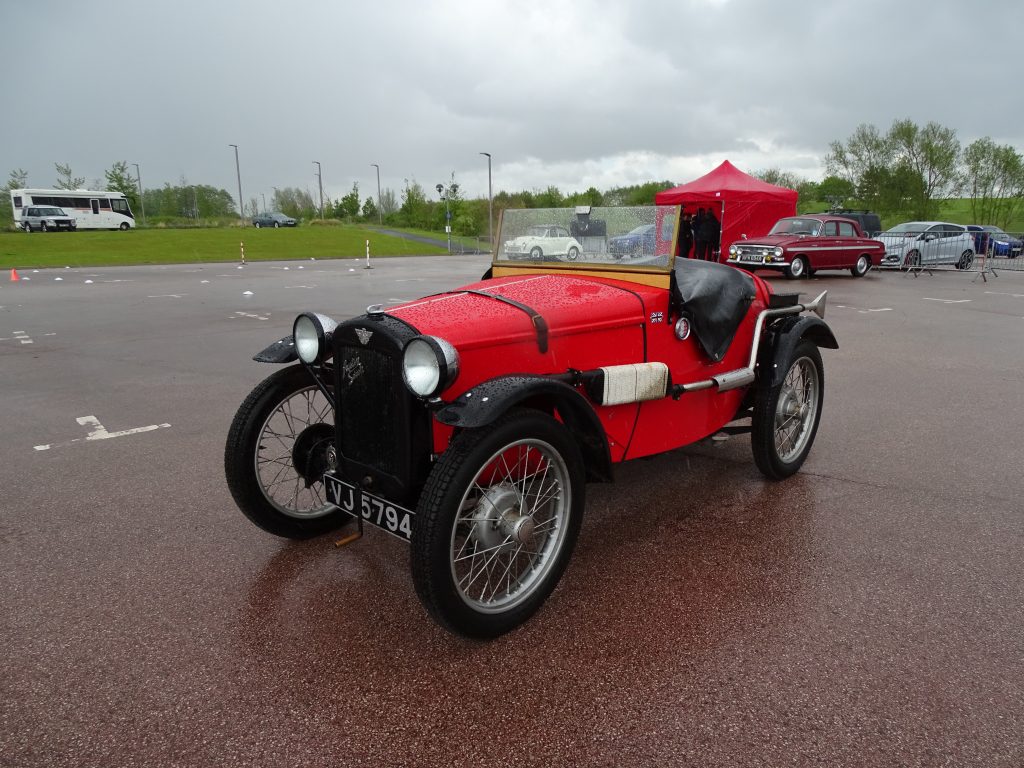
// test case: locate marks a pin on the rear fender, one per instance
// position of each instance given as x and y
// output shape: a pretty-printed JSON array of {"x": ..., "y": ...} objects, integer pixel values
[
  {"x": 782, "y": 338},
  {"x": 486, "y": 402},
  {"x": 281, "y": 351}
]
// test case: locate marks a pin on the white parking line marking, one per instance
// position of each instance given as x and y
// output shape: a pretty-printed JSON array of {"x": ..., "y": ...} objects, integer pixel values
[
  {"x": 864, "y": 311},
  {"x": 167, "y": 296},
  {"x": 99, "y": 432},
  {"x": 948, "y": 301},
  {"x": 1000, "y": 293},
  {"x": 248, "y": 314}
]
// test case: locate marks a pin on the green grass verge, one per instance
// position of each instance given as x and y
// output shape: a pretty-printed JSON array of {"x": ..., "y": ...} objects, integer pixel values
[{"x": 187, "y": 246}]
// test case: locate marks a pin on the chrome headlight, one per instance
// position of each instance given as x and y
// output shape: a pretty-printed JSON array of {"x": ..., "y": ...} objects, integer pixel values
[
  {"x": 312, "y": 333},
  {"x": 429, "y": 365},
  {"x": 733, "y": 250},
  {"x": 778, "y": 252}
]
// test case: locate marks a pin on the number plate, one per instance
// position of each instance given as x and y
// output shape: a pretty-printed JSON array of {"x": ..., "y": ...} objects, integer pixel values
[{"x": 392, "y": 518}]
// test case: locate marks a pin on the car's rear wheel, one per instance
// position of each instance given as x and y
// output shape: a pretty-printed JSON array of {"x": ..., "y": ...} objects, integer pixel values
[
  {"x": 573, "y": 254},
  {"x": 861, "y": 267},
  {"x": 497, "y": 522},
  {"x": 912, "y": 260},
  {"x": 797, "y": 268},
  {"x": 786, "y": 416},
  {"x": 124, "y": 226},
  {"x": 536, "y": 252},
  {"x": 966, "y": 260},
  {"x": 276, "y": 453}
]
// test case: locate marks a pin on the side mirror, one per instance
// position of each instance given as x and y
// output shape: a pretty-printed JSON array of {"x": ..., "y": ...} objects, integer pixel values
[{"x": 927, "y": 238}]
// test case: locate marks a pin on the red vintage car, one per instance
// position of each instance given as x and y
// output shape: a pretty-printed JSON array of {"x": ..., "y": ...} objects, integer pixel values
[
  {"x": 799, "y": 246},
  {"x": 469, "y": 423}
]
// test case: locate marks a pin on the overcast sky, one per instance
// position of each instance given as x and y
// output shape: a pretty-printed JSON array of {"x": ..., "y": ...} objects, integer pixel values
[{"x": 575, "y": 94}]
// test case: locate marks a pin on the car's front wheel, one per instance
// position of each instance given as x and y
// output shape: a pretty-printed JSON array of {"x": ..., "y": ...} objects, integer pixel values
[
  {"x": 536, "y": 252},
  {"x": 966, "y": 260},
  {"x": 124, "y": 226},
  {"x": 797, "y": 268},
  {"x": 277, "y": 452},
  {"x": 27, "y": 227},
  {"x": 43, "y": 227},
  {"x": 256, "y": 224},
  {"x": 786, "y": 416},
  {"x": 277, "y": 225},
  {"x": 861, "y": 267},
  {"x": 912, "y": 260},
  {"x": 497, "y": 522}
]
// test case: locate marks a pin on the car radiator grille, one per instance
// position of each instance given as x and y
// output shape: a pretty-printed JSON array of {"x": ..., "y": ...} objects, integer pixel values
[{"x": 370, "y": 393}]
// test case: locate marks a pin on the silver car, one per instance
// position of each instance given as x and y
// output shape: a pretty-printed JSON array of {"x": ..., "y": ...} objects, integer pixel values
[
  {"x": 927, "y": 243},
  {"x": 45, "y": 218}
]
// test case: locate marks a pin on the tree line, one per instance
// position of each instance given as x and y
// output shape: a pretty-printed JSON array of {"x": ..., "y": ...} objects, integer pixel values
[{"x": 904, "y": 173}]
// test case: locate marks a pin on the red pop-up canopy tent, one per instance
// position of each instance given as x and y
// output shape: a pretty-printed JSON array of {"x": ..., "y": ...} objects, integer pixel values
[{"x": 744, "y": 205}]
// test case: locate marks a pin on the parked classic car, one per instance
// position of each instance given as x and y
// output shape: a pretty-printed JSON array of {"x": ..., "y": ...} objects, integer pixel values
[
  {"x": 799, "y": 246},
  {"x": 636, "y": 242},
  {"x": 542, "y": 242},
  {"x": 927, "y": 243},
  {"x": 275, "y": 219},
  {"x": 46, "y": 218},
  {"x": 468, "y": 423}
]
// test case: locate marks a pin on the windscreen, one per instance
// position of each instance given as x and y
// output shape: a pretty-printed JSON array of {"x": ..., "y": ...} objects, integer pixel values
[{"x": 637, "y": 237}]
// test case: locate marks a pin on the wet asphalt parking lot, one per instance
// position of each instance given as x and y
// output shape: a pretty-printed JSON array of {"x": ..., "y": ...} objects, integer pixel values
[{"x": 868, "y": 611}]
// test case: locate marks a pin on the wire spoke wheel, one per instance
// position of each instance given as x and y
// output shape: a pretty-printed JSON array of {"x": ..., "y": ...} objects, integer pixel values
[
  {"x": 280, "y": 471},
  {"x": 278, "y": 448},
  {"x": 510, "y": 524},
  {"x": 497, "y": 523},
  {"x": 786, "y": 415},
  {"x": 797, "y": 408}
]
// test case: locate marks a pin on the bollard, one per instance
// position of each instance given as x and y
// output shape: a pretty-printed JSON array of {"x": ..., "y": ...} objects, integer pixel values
[
  {"x": 367, "y": 256},
  {"x": 242, "y": 247}
]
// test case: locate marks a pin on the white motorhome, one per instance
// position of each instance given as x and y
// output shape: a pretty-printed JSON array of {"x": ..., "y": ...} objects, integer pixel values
[{"x": 91, "y": 209}]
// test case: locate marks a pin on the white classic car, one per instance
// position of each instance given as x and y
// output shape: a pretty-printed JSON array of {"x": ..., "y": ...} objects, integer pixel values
[
  {"x": 543, "y": 242},
  {"x": 924, "y": 243}
]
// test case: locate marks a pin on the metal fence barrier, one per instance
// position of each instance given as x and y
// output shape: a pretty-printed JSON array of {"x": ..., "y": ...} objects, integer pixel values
[{"x": 951, "y": 248}]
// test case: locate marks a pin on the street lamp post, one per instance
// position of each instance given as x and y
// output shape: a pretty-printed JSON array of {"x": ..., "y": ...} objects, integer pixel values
[
  {"x": 380, "y": 214},
  {"x": 142, "y": 202},
  {"x": 445, "y": 193},
  {"x": 320, "y": 181},
  {"x": 264, "y": 196},
  {"x": 238, "y": 172},
  {"x": 490, "y": 202}
]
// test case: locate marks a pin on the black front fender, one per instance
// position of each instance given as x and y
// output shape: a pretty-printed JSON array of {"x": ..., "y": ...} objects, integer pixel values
[
  {"x": 281, "y": 351},
  {"x": 487, "y": 401},
  {"x": 780, "y": 341}
]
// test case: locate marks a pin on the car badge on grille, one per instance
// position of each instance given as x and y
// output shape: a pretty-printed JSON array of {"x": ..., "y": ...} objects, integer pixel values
[
  {"x": 364, "y": 335},
  {"x": 351, "y": 370}
]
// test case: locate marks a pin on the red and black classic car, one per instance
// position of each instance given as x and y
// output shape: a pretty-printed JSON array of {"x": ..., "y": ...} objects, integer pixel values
[
  {"x": 801, "y": 245},
  {"x": 468, "y": 423}
]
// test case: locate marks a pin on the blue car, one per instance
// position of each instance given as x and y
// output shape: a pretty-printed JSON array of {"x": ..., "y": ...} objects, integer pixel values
[
  {"x": 636, "y": 242},
  {"x": 1001, "y": 243}
]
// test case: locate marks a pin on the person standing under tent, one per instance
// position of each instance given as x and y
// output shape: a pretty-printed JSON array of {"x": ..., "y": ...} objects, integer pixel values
[
  {"x": 699, "y": 245},
  {"x": 712, "y": 235},
  {"x": 685, "y": 236}
]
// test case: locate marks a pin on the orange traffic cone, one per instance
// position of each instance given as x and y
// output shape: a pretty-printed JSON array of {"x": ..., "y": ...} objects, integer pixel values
[{"x": 14, "y": 275}]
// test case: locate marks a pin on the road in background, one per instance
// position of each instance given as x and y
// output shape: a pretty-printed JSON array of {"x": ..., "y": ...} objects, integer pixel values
[{"x": 867, "y": 611}]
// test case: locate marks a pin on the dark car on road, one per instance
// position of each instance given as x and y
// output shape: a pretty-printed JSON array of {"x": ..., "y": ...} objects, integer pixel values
[
  {"x": 994, "y": 241},
  {"x": 636, "y": 242},
  {"x": 275, "y": 219},
  {"x": 45, "y": 218}
]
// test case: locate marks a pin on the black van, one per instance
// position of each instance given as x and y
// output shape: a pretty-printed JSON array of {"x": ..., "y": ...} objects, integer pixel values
[{"x": 870, "y": 223}]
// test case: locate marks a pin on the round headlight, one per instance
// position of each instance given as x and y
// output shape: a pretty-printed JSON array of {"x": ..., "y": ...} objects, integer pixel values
[
  {"x": 733, "y": 250},
  {"x": 778, "y": 252},
  {"x": 312, "y": 334},
  {"x": 429, "y": 365}
]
